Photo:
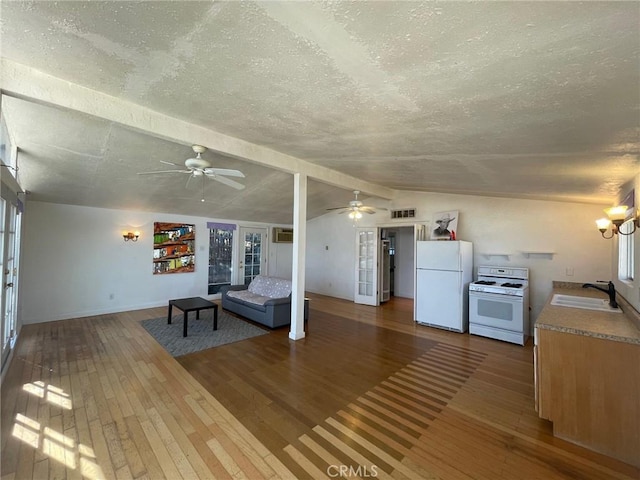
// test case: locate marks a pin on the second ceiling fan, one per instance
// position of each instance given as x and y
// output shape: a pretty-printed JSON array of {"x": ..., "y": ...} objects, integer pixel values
[{"x": 356, "y": 208}]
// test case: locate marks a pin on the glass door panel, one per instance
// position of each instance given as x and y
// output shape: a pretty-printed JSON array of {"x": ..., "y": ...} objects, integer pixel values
[
  {"x": 254, "y": 260},
  {"x": 366, "y": 287},
  {"x": 220, "y": 258},
  {"x": 3, "y": 260},
  {"x": 9, "y": 254}
]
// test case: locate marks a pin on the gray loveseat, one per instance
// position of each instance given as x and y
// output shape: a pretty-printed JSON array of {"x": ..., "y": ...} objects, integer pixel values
[{"x": 266, "y": 300}]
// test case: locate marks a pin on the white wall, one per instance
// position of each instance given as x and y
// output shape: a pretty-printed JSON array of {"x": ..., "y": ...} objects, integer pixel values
[
  {"x": 280, "y": 258},
  {"x": 75, "y": 262},
  {"x": 330, "y": 256},
  {"x": 74, "y": 258},
  {"x": 494, "y": 225}
]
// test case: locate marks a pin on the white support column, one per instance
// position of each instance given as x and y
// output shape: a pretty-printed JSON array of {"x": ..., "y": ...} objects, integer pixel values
[{"x": 299, "y": 244}]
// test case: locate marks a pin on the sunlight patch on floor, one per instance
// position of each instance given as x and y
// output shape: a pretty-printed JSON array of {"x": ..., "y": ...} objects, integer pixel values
[
  {"x": 35, "y": 388},
  {"x": 50, "y": 442},
  {"x": 53, "y": 394},
  {"x": 27, "y": 430}
]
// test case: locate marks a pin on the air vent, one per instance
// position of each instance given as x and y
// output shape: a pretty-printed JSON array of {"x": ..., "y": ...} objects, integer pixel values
[
  {"x": 404, "y": 213},
  {"x": 282, "y": 235}
]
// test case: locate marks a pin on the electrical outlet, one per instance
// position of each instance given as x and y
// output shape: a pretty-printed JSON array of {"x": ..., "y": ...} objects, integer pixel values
[{"x": 569, "y": 271}]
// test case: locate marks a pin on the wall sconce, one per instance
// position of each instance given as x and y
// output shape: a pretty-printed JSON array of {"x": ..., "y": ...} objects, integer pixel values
[
  {"x": 617, "y": 216},
  {"x": 130, "y": 236}
]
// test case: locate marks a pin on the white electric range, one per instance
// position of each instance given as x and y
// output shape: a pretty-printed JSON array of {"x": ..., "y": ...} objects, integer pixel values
[{"x": 499, "y": 304}]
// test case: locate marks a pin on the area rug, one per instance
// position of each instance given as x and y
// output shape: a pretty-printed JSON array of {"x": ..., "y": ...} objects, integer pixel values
[{"x": 200, "y": 334}]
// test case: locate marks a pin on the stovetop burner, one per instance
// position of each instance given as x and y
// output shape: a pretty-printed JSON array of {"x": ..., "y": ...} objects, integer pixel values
[{"x": 509, "y": 281}]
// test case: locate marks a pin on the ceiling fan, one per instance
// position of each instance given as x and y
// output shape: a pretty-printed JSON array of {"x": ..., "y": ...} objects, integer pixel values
[
  {"x": 199, "y": 167},
  {"x": 356, "y": 208}
]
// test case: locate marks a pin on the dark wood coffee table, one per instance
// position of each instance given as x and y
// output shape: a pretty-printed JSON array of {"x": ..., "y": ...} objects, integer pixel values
[{"x": 193, "y": 304}]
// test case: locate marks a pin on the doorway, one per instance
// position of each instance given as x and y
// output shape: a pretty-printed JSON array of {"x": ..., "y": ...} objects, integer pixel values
[
  {"x": 384, "y": 264},
  {"x": 400, "y": 266}
]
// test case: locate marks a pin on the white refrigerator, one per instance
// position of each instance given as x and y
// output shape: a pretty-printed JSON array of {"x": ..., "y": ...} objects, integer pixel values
[{"x": 444, "y": 270}]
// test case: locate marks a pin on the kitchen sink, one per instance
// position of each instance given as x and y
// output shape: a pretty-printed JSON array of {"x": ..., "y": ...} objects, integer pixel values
[{"x": 586, "y": 303}]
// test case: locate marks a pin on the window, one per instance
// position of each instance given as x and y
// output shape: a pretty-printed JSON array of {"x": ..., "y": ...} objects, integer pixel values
[
  {"x": 626, "y": 252},
  {"x": 220, "y": 255},
  {"x": 7, "y": 152}
]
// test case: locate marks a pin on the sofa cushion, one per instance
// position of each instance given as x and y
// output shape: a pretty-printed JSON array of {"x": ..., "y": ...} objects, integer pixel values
[
  {"x": 271, "y": 287},
  {"x": 248, "y": 296}
]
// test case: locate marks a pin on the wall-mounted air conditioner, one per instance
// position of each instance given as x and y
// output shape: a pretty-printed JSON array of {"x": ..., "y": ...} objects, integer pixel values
[{"x": 282, "y": 235}]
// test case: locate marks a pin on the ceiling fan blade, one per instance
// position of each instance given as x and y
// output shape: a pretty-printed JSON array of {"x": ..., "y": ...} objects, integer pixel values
[
  {"x": 377, "y": 209},
  {"x": 340, "y": 208},
  {"x": 367, "y": 209},
  {"x": 164, "y": 171},
  {"x": 223, "y": 171},
  {"x": 228, "y": 182},
  {"x": 170, "y": 163}
]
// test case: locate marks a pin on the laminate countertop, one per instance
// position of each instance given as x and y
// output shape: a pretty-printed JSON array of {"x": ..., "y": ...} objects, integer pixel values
[{"x": 619, "y": 327}]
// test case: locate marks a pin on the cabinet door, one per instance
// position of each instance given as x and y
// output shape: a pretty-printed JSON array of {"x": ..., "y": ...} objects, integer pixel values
[
  {"x": 542, "y": 375},
  {"x": 589, "y": 390}
]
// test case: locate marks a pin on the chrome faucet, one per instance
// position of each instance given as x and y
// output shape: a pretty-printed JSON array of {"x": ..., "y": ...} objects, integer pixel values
[{"x": 611, "y": 291}]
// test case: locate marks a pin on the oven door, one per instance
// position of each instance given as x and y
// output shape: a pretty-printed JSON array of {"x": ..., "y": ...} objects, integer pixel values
[{"x": 497, "y": 311}]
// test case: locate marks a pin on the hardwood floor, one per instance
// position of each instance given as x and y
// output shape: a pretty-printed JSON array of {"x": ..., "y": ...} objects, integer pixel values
[{"x": 366, "y": 394}]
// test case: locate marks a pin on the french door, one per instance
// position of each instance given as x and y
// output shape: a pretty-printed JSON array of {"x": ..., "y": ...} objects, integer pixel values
[
  {"x": 253, "y": 253},
  {"x": 9, "y": 254},
  {"x": 366, "y": 275}
]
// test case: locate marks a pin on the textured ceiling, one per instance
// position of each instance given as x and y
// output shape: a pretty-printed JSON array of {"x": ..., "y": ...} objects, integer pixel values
[{"x": 516, "y": 99}]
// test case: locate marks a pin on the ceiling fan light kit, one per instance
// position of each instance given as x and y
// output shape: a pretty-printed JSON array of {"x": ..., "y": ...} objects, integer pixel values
[{"x": 356, "y": 208}]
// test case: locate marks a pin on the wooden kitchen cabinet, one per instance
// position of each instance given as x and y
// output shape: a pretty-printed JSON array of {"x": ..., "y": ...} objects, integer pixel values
[{"x": 589, "y": 387}]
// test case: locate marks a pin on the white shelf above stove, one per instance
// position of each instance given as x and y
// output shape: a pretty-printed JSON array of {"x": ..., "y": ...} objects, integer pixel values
[
  {"x": 504, "y": 255},
  {"x": 538, "y": 253}
]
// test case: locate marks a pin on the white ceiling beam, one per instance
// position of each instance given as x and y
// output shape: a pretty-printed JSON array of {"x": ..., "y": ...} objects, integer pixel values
[{"x": 29, "y": 84}]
